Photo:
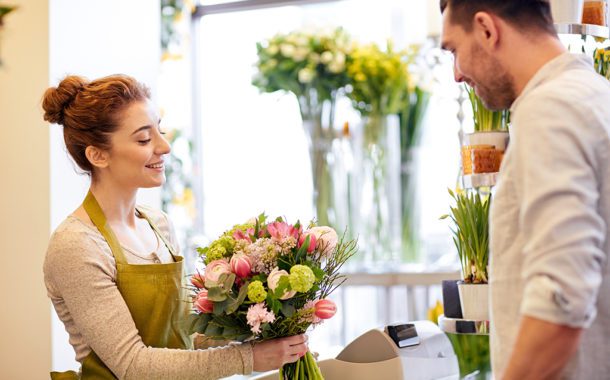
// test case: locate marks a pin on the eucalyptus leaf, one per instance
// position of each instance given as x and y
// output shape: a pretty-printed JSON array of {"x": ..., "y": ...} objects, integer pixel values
[{"x": 217, "y": 294}]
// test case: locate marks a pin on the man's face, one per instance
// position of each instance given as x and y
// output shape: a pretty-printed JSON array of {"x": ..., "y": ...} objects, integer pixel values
[{"x": 475, "y": 66}]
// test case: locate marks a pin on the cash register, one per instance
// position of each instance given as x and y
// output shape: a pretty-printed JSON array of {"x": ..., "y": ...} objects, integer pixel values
[{"x": 411, "y": 351}]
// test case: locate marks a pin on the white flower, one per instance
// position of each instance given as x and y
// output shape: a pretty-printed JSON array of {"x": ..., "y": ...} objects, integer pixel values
[
  {"x": 336, "y": 67},
  {"x": 273, "y": 281},
  {"x": 301, "y": 41},
  {"x": 327, "y": 239},
  {"x": 287, "y": 50},
  {"x": 306, "y": 75},
  {"x": 339, "y": 58},
  {"x": 326, "y": 57},
  {"x": 300, "y": 53},
  {"x": 273, "y": 49}
]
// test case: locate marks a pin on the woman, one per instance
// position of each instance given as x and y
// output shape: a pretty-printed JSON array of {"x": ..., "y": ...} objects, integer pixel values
[{"x": 112, "y": 269}]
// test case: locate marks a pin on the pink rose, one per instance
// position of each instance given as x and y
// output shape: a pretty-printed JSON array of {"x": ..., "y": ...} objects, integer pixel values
[
  {"x": 202, "y": 303},
  {"x": 217, "y": 267},
  {"x": 326, "y": 237},
  {"x": 241, "y": 265},
  {"x": 312, "y": 241},
  {"x": 274, "y": 279},
  {"x": 197, "y": 280},
  {"x": 325, "y": 309},
  {"x": 282, "y": 230}
]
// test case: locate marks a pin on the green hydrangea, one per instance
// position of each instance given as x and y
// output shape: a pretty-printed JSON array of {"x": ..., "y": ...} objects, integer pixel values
[
  {"x": 301, "y": 278},
  {"x": 222, "y": 247},
  {"x": 239, "y": 227},
  {"x": 256, "y": 292}
]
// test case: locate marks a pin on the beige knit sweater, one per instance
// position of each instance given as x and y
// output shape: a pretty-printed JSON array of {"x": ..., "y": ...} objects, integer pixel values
[{"x": 80, "y": 273}]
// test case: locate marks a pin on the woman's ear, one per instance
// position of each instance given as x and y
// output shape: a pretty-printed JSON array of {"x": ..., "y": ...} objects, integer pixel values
[{"x": 96, "y": 156}]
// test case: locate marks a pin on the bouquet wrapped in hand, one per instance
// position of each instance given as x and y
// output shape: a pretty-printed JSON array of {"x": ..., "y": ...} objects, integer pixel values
[{"x": 265, "y": 280}]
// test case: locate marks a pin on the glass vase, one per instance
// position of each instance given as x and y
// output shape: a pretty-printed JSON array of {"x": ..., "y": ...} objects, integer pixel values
[
  {"x": 409, "y": 211},
  {"x": 377, "y": 229},
  {"x": 317, "y": 123}
]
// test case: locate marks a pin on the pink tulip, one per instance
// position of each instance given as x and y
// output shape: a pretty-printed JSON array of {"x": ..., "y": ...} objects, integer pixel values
[
  {"x": 273, "y": 280},
  {"x": 282, "y": 230},
  {"x": 217, "y": 267},
  {"x": 197, "y": 280},
  {"x": 241, "y": 235},
  {"x": 312, "y": 241},
  {"x": 202, "y": 303},
  {"x": 325, "y": 309},
  {"x": 241, "y": 265}
]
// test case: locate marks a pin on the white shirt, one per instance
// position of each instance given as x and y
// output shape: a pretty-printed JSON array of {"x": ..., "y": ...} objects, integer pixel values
[{"x": 549, "y": 218}]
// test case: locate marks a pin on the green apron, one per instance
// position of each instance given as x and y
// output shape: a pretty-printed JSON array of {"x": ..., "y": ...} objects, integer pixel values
[{"x": 153, "y": 293}]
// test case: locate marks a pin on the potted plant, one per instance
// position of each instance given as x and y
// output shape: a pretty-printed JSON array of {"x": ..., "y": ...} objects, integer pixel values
[
  {"x": 471, "y": 237},
  {"x": 483, "y": 150}
]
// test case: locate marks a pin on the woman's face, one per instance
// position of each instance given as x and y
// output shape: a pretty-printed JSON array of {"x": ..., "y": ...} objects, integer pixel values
[{"x": 138, "y": 146}]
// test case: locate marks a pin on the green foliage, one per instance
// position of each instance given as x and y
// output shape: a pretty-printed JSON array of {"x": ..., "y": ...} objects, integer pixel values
[
  {"x": 472, "y": 352},
  {"x": 485, "y": 119},
  {"x": 601, "y": 62},
  {"x": 470, "y": 217}
]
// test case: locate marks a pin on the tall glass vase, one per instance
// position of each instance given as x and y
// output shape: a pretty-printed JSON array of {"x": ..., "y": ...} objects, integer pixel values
[
  {"x": 408, "y": 205},
  {"x": 317, "y": 123},
  {"x": 375, "y": 222}
]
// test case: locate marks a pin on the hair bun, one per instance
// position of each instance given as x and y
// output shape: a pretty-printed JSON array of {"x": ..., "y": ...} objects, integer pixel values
[{"x": 57, "y": 99}]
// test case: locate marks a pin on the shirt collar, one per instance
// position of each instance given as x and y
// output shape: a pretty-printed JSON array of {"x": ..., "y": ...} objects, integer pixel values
[{"x": 550, "y": 70}]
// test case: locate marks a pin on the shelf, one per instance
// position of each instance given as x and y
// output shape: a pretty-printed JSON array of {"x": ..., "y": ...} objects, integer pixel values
[
  {"x": 463, "y": 326},
  {"x": 473, "y": 181},
  {"x": 583, "y": 30}
]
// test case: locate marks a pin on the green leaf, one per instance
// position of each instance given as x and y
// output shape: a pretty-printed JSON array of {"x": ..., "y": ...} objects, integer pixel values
[
  {"x": 213, "y": 329},
  {"x": 273, "y": 303},
  {"x": 283, "y": 285},
  {"x": 288, "y": 310},
  {"x": 216, "y": 294},
  {"x": 229, "y": 281},
  {"x": 319, "y": 273},
  {"x": 220, "y": 307}
]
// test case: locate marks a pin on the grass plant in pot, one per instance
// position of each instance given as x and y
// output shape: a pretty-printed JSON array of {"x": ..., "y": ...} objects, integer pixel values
[
  {"x": 471, "y": 237},
  {"x": 483, "y": 150}
]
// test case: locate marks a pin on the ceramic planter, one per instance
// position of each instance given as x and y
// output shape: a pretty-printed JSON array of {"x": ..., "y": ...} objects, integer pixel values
[{"x": 474, "y": 301}]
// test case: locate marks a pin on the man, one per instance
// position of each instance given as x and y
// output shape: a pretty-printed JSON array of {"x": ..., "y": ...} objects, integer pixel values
[{"x": 550, "y": 277}]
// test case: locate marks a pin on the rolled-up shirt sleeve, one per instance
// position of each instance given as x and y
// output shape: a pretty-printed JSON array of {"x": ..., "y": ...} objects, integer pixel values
[{"x": 559, "y": 219}]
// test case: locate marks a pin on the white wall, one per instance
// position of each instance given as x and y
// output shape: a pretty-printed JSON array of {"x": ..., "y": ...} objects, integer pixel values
[
  {"x": 24, "y": 193},
  {"x": 94, "y": 39},
  {"x": 39, "y": 44}
]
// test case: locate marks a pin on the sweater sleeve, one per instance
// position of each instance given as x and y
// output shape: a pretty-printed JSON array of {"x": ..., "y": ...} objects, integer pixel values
[{"x": 75, "y": 271}]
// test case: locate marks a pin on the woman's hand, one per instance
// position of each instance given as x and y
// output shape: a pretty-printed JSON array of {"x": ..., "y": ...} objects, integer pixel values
[{"x": 273, "y": 354}]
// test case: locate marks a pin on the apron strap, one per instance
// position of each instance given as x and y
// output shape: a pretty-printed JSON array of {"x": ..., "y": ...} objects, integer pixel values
[
  {"x": 158, "y": 232},
  {"x": 98, "y": 218}
]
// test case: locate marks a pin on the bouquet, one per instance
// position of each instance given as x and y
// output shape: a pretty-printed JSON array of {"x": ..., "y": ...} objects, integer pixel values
[
  {"x": 265, "y": 280},
  {"x": 312, "y": 65},
  {"x": 379, "y": 79}
]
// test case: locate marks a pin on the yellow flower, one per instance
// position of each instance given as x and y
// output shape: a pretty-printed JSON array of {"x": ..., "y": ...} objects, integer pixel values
[{"x": 435, "y": 312}]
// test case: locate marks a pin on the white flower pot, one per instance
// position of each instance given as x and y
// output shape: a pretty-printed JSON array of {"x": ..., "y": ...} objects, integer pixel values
[
  {"x": 474, "y": 300},
  {"x": 499, "y": 139},
  {"x": 567, "y": 11}
]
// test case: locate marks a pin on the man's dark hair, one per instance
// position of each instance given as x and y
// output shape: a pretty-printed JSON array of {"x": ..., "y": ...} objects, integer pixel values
[{"x": 525, "y": 14}]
